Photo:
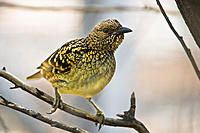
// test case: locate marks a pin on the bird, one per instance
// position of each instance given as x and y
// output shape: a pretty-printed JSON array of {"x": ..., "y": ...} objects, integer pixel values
[{"x": 84, "y": 66}]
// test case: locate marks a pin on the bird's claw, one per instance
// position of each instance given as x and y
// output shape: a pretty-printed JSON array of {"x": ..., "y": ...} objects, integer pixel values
[
  {"x": 57, "y": 102},
  {"x": 100, "y": 117}
]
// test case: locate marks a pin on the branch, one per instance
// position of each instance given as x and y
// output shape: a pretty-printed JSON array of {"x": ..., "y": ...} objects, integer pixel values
[
  {"x": 190, "y": 12},
  {"x": 180, "y": 38},
  {"x": 96, "y": 9},
  {"x": 131, "y": 123},
  {"x": 40, "y": 117},
  {"x": 130, "y": 114}
]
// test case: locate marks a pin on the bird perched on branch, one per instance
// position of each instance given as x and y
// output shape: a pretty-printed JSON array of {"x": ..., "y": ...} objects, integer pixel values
[{"x": 83, "y": 67}]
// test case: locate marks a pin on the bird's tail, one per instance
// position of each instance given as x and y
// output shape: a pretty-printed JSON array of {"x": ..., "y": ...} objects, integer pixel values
[{"x": 36, "y": 75}]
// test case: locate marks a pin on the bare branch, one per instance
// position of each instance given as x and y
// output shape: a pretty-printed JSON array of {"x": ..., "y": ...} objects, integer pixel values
[
  {"x": 40, "y": 117},
  {"x": 180, "y": 38},
  {"x": 190, "y": 12},
  {"x": 131, "y": 123},
  {"x": 130, "y": 114},
  {"x": 96, "y": 9}
]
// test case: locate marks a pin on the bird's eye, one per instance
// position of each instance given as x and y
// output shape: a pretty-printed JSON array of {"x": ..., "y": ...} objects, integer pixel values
[{"x": 105, "y": 30}]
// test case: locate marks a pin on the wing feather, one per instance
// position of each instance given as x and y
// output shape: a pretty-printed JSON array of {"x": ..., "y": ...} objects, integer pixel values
[{"x": 63, "y": 59}]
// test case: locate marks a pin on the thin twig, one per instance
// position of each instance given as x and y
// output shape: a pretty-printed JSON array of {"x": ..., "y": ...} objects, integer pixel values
[
  {"x": 137, "y": 125},
  {"x": 95, "y": 9},
  {"x": 130, "y": 114},
  {"x": 40, "y": 117},
  {"x": 180, "y": 38}
]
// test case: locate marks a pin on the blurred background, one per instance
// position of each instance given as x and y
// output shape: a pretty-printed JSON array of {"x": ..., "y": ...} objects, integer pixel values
[{"x": 150, "y": 62}]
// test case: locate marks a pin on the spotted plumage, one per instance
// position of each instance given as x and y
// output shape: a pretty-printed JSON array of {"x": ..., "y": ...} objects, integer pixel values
[{"x": 84, "y": 66}]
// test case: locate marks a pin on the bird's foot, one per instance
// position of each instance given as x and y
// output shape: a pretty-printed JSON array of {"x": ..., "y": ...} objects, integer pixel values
[
  {"x": 56, "y": 103},
  {"x": 100, "y": 117}
]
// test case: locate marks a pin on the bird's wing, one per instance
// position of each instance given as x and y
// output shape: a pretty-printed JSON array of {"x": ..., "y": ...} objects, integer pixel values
[{"x": 62, "y": 60}]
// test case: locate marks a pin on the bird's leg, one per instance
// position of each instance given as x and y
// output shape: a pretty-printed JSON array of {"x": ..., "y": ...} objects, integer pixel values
[
  {"x": 57, "y": 101},
  {"x": 99, "y": 114}
]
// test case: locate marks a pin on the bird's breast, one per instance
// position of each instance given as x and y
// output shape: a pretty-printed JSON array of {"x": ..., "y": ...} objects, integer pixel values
[{"x": 88, "y": 77}]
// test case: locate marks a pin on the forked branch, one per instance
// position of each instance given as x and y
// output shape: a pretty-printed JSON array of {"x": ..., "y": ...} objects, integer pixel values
[{"x": 125, "y": 122}]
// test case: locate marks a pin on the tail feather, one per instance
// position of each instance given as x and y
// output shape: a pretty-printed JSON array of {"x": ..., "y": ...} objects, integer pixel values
[{"x": 35, "y": 76}]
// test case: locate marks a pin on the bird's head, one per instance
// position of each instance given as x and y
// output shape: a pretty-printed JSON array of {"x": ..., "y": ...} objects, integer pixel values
[{"x": 107, "y": 35}]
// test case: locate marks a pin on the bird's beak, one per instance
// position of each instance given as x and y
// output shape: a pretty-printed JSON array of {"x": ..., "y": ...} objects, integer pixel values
[{"x": 122, "y": 30}]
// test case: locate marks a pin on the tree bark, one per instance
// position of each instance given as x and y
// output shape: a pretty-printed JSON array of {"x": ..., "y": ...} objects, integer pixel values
[{"x": 190, "y": 10}]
